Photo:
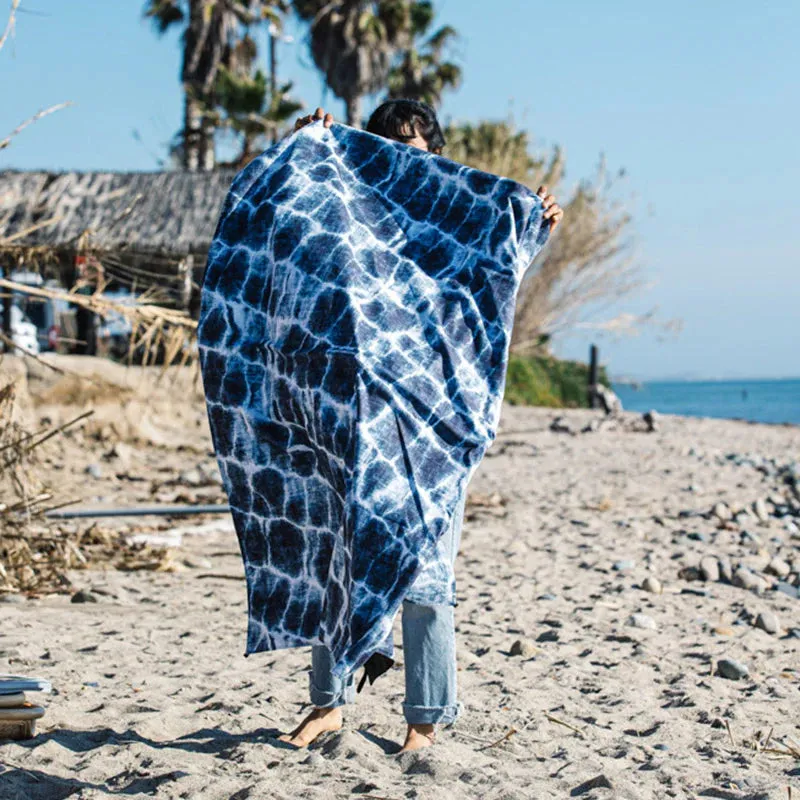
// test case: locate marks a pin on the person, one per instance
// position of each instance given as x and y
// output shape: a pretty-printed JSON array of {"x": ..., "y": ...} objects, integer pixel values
[{"x": 428, "y": 631}]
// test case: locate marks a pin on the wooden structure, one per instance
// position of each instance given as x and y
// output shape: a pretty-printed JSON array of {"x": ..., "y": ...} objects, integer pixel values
[{"x": 148, "y": 230}]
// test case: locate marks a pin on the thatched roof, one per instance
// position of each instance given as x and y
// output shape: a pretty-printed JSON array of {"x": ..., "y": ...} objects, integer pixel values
[{"x": 171, "y": 213}]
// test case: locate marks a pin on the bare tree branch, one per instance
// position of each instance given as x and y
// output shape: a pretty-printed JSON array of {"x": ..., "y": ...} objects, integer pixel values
[
  {"x": 35, "y": 118},
  {"x": 10, "y": 24}
]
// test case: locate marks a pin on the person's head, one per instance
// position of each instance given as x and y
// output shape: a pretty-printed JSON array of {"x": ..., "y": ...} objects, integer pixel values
[{"x": 408, "y": 121}]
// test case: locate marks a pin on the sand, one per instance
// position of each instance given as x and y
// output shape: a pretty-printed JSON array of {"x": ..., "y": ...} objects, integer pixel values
[{"x": 153, "y": 696}]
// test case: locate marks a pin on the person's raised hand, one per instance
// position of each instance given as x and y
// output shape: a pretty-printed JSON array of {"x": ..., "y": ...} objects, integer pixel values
[
  {"x": 552, "y": 210},
  {"x": 327, "y": 119}
]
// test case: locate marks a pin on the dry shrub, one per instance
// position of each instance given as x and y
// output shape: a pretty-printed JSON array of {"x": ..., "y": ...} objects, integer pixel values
[{"x": 587, "y": 262}]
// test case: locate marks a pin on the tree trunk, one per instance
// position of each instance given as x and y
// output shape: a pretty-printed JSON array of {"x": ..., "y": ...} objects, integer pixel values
[
  {"x": 354, "y": 111},
  {"x": 192, "y": 132},
  {"x": 208, "y": 156}
]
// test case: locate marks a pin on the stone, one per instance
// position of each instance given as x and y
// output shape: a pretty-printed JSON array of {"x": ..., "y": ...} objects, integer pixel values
[
  {"x": 652, "y": 585},
  {"x": 757, "y": 562},
  {"x": 768, "y": 622},
  {"x": 760, "y": 510},
  {"x": 651, "y": 420},
  {"x": 732, "y": 670},
  {"x": 547, "y": 636},
  {"x": 12, "y": 598},
  {"x": 778, "y": 567},
  {"x": 722, "y": 512},
  {"x": 83, "y": 596},
  {"x": 709, "y": 569},
  {"x": 560, "y": 425},
  {"x": 191, "y": 477},
  {"x": 696, "y": 536},
  {"x": 725, "y": 569},
  {"x": 94, "y": 471},
  {"x": 21, "y": 713},
  {"x": 194, "y": 562},
  {"x": 524, "y": 648},
  {"x": 689, "y": 574},
  {"x": 642, "y": 621},
  {"x": 598, "y": 782},
  {"x": 745, "y": 579},
  {"x": 624, "y": 565},
  {"x": 787, "y": 589},
  {"x": 748, "y": 537}
]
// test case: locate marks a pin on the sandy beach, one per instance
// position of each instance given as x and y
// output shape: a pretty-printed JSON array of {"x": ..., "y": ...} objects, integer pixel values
[{"x": 618, "y": 636}]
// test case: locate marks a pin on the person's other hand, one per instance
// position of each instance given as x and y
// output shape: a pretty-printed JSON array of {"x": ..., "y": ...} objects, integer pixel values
[
  {"x": 552, "y": 210},
  {"x": 327, "y": 119}
]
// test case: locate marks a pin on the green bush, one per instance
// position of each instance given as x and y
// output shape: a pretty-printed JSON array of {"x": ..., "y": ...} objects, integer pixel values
[{"x": 546, "y": 381}]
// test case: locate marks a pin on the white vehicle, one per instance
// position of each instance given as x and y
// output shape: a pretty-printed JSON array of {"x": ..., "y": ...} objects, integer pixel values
[{"x": 24, "y": 333}]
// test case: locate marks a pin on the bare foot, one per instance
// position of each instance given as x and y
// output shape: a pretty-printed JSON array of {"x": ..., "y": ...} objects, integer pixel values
[
  {"x": 418, "y": 736},
  {"x": 319, "y": 721}
]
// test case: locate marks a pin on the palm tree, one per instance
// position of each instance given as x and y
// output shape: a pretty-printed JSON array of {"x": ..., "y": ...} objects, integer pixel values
[
  {"x": 353, "y": 43},
  {"x": 422, "y": 74},
  {"x": 248, "y": 104},
  {"x": 211, "y": 29}
]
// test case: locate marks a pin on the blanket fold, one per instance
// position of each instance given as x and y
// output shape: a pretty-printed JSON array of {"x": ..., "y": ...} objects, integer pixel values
[{"x": 354, "y": 330}]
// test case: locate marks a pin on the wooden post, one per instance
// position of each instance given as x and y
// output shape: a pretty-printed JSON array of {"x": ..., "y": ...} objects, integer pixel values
[
  {"x": 593, "y": 375},
  {"x": 8, "y": 300},
  {"x": 273, "y": 72}
]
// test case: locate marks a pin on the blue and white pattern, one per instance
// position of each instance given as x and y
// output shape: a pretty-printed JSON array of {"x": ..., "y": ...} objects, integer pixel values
[{"x": 354, "y": 332}]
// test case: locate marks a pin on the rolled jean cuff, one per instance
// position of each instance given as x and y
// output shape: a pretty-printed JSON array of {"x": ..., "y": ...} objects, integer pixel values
[
  {"x": 431, "y": 715},
  {"x": 322, "y": 699}
]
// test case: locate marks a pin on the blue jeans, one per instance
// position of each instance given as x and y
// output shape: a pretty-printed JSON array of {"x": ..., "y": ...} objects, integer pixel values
[{"x": 429, "y": 653}]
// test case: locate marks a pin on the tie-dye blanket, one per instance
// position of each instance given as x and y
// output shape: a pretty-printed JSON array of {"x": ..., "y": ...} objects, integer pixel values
[{"x": 354, "y": 333}]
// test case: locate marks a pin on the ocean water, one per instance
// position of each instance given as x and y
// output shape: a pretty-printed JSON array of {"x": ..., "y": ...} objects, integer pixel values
[{"x": 774, "y": 401}]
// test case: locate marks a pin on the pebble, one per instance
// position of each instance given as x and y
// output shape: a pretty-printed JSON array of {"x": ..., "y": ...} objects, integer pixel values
[
  {"x": 760, "y": 510},
  {"x": 732, "y": 670},
  {"x": 191, "y": 477},
  {"x": 696, "y": 536},
  {"x": 524, "y": 648},
  {"x": 787, "y": 589},
  {"x": 722, "y": 512},
  {"x": 768, "y": 622},
  {"x": 624, "y": 565},
  {"x": 642, "y": 621},
  {"x": 689, "y": 574},
  {"x": 547, "y": 636},
  {"x": 725, "y": 569},
  {"x": 83, "y": 596},
  {"x": 598, "y": 782},
  {"x": 546, "y": 596},
  {"x": 12, "y": 598},
  {"x": 196, "y": 563},
  {"x": 748, "y": 537},
  {"x": 793, "y": 633},
  {"x": 745, "y": 579},
  {"x": 560, "y": 425},
  {"x": 652, "y": 585},
  {"x": 709, "y": 569},
  {"x": 94, "y": 471},
  {"x": 778, "y": 567}
]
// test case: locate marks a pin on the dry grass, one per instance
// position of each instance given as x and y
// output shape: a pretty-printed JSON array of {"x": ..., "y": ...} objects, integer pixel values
[
  {"x": 161, "y": 334},
  {"x": 587, "y": 264}
]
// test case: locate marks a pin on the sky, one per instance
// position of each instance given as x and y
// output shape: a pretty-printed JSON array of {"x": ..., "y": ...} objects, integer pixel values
[{"x": 699, "y": 102}]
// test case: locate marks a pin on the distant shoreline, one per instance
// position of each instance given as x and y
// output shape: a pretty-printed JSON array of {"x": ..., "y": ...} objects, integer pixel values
[{"x": 774, "y": 401}]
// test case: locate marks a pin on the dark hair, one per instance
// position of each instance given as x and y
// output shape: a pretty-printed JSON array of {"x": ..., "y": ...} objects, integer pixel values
[{"x": 402, "y": 120}]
